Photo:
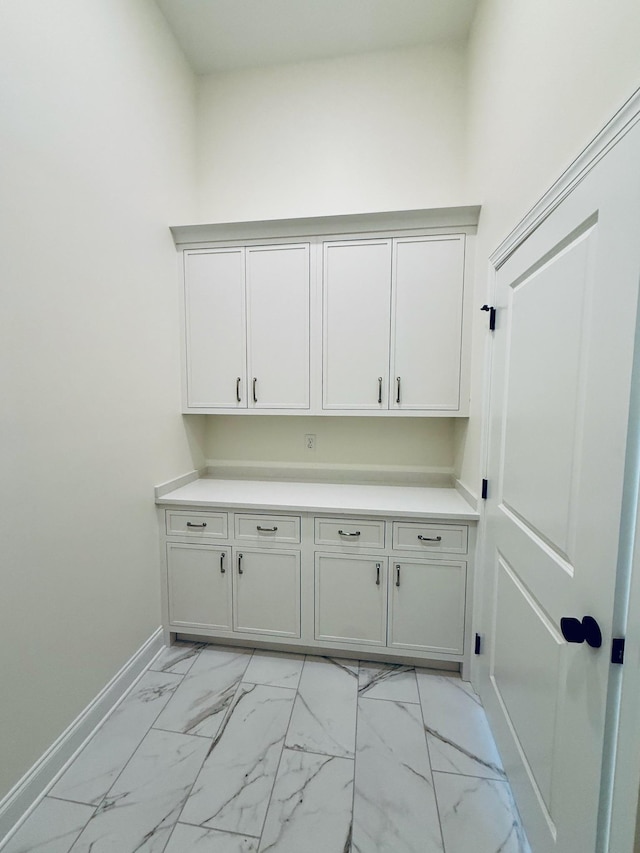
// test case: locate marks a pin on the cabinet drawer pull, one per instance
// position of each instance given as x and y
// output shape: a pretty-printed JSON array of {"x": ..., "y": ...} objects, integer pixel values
[
  {"x": 377, "y": 574},
  {"x": 266, "y": 529},
  {"x": 379, "y": 389},
  {"x": 255, "y": 393},
  {"x": 397, "y": 574},
  {"x": 430, "y": 538},
  {"x": 398, "y": 390},
  {"x": 189, "y": 524},
  {"x": 222, "y": 568},
  {"x": 238, "y": 397},
  {"x": 346, "y": 533},
  {"x": 240, "y": 570}
]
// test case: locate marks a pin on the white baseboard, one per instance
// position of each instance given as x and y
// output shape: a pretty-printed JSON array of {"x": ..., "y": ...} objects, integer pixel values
[{"x": 26, "y": 794}]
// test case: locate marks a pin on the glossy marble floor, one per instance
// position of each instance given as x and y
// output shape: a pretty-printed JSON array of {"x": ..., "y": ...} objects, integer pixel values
[{"x": 219, "y": 750}]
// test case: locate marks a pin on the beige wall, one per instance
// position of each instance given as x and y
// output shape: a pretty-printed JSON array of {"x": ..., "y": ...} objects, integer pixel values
[
  {"x": 97, "y": 152},
  {"x": 544, "y": 77}
]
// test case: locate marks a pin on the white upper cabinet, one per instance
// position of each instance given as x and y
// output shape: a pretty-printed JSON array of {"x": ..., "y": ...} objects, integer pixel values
[
  {"x": 392, "y": 331},
  {"x": 247, "y": 328},
  {"x": 278, "y": 326},
  {"x": 357, "y": 278},
  {"x": 215, "y": 329}
]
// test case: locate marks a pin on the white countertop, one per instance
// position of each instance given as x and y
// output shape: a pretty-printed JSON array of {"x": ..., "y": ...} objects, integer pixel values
[{"x": 346, "y": 499}]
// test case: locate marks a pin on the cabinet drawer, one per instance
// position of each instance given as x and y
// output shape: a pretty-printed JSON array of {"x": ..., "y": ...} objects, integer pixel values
[
  {"x": 204, "y": 525},
  {"x": 412, "y": 536},
  {"x": 349, "y": 531},
  {"x": 268, "y": 528}
]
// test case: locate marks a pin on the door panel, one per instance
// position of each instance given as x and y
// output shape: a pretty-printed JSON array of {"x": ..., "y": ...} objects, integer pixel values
[
  {"x": 278, "y": 326},
  {"x": 266, "y": 592},
  {"x": 356, "y": 295},
  {"x": 215, "y": 328},
  {"x": 426, "y": 339},
  {"x": 199, "y": 585},
  {"x": 351, "y": 599},
  {"x": 562, "y": 358}
]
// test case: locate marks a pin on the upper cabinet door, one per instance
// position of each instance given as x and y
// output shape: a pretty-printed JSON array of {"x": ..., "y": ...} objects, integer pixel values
[
  {"x": 215, "y": 329},
  {"x": 426, "y": 335},
  {"x": 356, "y": 296},
  {"x": 278, "y": 326}
]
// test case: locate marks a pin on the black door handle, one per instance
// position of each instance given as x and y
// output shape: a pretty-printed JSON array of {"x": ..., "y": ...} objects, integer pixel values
[{"x": 580, "y": 631}]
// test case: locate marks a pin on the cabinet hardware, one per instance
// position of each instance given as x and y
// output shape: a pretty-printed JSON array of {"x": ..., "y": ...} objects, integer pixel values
[
  {"x": 430, "y": 538},
  {"x": 398, "y": 390},
  {"x": 266, "y": 529},
  {"x": 255, "y": 396},
  {"x": 189, "y": 524},
  {"x": 222, "y": 569},
  {"x": 346, "y": 533},
  {"x": 397, "y": 574},
  {"x": 240, "y": 570},
  {"x": 377, "y": 574},
  {"x": 238, "y": 397},
  {"x": 379, "y": 389}
]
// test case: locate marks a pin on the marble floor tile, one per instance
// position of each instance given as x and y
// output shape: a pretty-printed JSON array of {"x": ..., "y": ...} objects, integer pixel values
[
  {"x": 310, "y": 807},
  {"x": 140, "y": 810},
  {"x": 52, "y": 827},
  {"x": 458, "y": 734},
  {"x": 233, "y": 789},
  {"x": 194, "y": 839},
  {"x": 479, "y": 815},
  {"x": 324, "y": 715},
  {"x": 95, "y": 769},
  {"x": 394, "y": 803},
  {"x": 178, "y": 658},
  {"x": 387, "y": 681},
  {"x": 274, "y": 669},
  {"x": 199, "y": 705}
]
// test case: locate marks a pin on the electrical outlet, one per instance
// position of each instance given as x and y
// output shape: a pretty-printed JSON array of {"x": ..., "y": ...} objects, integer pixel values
[{"x": 310, "y": 441}]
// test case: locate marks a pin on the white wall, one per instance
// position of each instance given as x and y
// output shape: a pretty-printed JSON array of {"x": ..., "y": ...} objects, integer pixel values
[
  {"x": 97, "y": 146},
  {"x": 544, "y": 77},
  {"x": 383, "y": 131}
]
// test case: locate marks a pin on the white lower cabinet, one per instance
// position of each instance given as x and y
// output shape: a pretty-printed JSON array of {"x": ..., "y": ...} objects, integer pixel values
[
  {"x": 397, "y": 587},
  {"x": 427, "y": 605},
  {"x": 351, "y": 599},
  {"x": 266, "y": 592}
]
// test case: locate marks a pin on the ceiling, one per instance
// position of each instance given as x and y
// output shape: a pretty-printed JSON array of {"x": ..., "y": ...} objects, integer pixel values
[{"x": 217, "y": 35}]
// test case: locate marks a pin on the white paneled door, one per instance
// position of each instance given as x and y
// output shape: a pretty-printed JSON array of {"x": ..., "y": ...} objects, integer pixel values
[{"x": 561, "y": 378}]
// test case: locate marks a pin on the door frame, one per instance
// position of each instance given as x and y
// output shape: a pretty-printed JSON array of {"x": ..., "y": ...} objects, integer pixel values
[{"x": 620, "y": 783}]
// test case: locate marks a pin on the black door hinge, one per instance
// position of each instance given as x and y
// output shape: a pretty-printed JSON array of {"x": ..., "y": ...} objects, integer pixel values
[
  {"x": 478, "y": 645},
  {"x": 617, "y": 650},
  {"x": 492, "y": 315},
  {"x": 485, "y": 488}
]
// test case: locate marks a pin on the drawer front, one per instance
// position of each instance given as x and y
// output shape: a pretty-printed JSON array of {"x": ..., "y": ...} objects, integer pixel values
[
  {"x": 349, "y": 531},
  {"x": 203, "y": 525},
  {"x": 427, "y": 538},
  {"x": 268, "y": 528}
]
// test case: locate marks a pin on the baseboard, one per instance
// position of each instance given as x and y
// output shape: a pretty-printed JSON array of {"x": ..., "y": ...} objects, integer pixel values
[{"x": 26, "y": 794}]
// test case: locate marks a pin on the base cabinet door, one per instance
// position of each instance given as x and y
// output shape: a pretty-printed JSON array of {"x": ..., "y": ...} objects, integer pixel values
[
  {"x": 427, "y": 605},
  {"x": 266, "y": 592},
  {"x": 351, "y": 599},
  {"x": 199, "y": 585}
]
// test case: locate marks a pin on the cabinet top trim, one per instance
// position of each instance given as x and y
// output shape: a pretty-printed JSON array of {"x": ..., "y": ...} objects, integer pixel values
[
  {"x": 342, "y": 498},
  {"x": 314, "y": 226}
]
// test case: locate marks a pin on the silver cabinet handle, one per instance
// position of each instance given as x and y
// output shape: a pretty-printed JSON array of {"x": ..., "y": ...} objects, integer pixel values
[
  {"x": 266, "y": 529},
  {"x": 255, "y": 395},
  {"x": 240, "y": 569},
  {"x": 346, "y": 533},
  {"x": 222, "y": 568},
  {"x": 238, "y": 397},
  {"x": 377, "y": 574},
  {"x": 397, "y": 574},
  {"x": 398, "y": 389},
  {"x": 430, "y": 538},
  {"x": 189, "y": 524},
  {"x": 379, "y": 389}
]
